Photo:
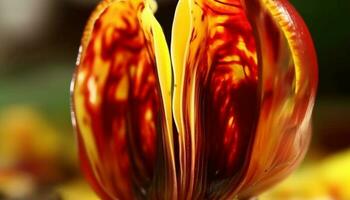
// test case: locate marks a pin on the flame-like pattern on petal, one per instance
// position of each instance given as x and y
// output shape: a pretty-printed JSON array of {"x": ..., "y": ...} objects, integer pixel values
[
  {"x": 120, "y": 110},
  {"x": 219, "y": 100},
  {"x": 288, "y": 88}
]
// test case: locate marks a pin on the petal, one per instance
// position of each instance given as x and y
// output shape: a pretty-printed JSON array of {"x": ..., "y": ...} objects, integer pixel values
[
  {"x": 288, "y": 89},
  {"x": 121, "y": 97},
  {"x": 216, "y": 95}
]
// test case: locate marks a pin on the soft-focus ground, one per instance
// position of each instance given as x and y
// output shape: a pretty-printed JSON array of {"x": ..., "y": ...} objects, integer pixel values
[{"x": 328, "y": 179}]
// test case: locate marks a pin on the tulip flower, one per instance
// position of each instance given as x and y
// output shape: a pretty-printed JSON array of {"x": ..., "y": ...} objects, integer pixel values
[{"x": 225, "y": 115}]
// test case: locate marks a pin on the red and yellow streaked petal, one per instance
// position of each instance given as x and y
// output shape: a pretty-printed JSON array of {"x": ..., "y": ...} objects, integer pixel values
[
  {"x": 216, "y": 78},
  {"x": 288, "y": 87},
  {"x": 121, "y": 106}
]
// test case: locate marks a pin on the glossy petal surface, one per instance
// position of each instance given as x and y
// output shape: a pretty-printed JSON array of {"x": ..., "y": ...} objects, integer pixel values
[{"x": 120, "y": 113}]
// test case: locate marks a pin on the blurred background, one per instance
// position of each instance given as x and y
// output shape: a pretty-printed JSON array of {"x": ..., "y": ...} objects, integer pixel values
[{"x": 39, "y": 41}]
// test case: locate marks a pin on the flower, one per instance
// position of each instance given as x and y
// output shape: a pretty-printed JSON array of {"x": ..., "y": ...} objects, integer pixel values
[{"x": 227, "y": 115}]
